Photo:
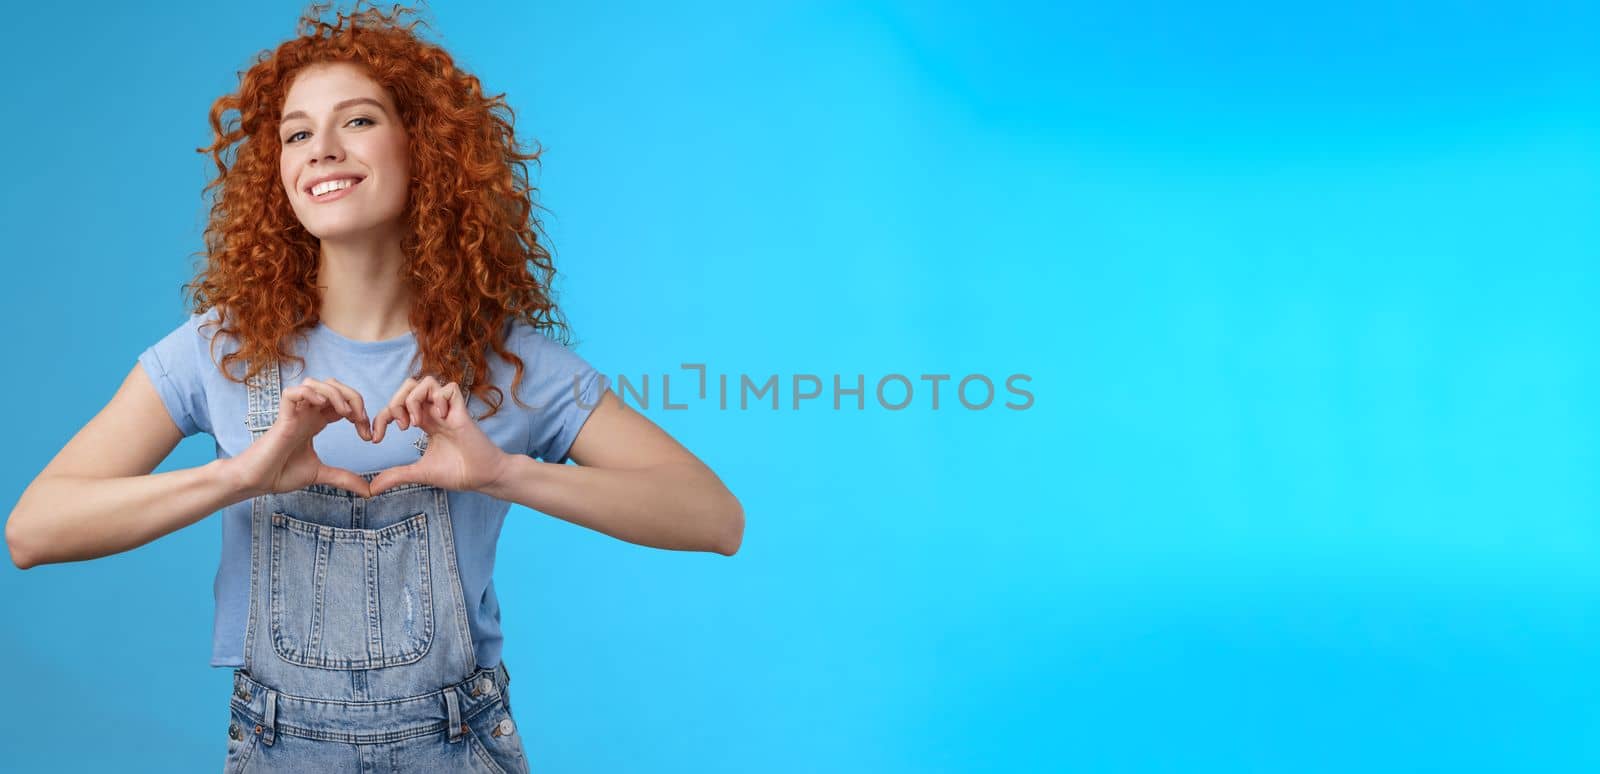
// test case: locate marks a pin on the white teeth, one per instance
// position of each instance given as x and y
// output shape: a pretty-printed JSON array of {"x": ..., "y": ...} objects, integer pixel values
[{"x": 332, "y": 185}]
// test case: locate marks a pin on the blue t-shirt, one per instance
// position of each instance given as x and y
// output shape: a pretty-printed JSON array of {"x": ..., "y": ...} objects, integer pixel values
[{"x": 558, "y": 388}]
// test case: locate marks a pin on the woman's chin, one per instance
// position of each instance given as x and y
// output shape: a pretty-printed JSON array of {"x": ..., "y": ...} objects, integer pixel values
[{"x": 335, "y": 230}]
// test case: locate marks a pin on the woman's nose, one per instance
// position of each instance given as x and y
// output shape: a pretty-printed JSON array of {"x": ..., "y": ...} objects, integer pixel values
[{"x": 325, "y": 147}]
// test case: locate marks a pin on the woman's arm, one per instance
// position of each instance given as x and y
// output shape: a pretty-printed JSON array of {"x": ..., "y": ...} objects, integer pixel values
[
  {"x": 632, "y": 482},
  {"x": 97, "y": 496}
]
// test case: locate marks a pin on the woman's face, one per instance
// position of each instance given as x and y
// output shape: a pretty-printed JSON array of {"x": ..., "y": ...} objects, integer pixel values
[{"x": 338, "y": 124}]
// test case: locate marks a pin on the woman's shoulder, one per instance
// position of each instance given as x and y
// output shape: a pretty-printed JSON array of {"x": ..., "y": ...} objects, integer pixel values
[
  {"x": 536, "y": 343},
  {"x": 548, "y": 362},
  {"x": 180, "y": 366},
  {"x": 528, "y": 336},
  {"x": 185, "y": 338},
  {"x": 559, "y": 389},
  {"x": 199, "y": 327}
]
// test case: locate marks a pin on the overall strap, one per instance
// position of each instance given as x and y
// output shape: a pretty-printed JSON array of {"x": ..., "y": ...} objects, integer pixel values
[{"x": 262, "y": 393}]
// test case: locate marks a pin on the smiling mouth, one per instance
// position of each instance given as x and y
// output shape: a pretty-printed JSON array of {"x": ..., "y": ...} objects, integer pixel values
[{"x": 335, "y": 193}]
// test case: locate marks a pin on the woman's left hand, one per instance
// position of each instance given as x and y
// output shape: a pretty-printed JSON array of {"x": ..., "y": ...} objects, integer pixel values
[{"x": 459, "y": 455}]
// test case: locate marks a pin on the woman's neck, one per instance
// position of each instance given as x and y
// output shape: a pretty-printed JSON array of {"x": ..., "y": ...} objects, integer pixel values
[{"x": 364, "y": 296}]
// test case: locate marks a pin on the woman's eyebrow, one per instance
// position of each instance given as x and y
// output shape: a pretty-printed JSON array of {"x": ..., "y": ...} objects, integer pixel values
[{"x": 337, "y": 108}]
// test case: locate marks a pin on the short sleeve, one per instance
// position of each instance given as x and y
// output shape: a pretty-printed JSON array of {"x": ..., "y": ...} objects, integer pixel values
[
  {"x": 174, "y": 367},
  {"x": 561, "y": 390}
]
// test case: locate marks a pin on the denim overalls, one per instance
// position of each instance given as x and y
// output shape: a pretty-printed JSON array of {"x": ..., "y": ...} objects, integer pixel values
[{"x": 357, "y": 651}]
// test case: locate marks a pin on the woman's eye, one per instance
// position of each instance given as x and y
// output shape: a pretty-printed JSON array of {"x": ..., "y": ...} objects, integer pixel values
[{"x": 291, "y": 137}]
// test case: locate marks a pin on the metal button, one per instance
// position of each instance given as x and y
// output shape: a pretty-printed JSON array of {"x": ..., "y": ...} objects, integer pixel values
[
  {"x": 505, "y": 727},
  {"x": 233, "y": 731},
  {"x": 484, "y": 684}
]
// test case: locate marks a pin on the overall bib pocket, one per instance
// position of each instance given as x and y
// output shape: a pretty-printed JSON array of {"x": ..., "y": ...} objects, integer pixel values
[{"x": 350, "y": 598}]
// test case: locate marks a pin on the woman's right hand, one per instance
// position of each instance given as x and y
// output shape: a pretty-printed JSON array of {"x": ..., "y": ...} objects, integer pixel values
[{"x": 283, "y": 460}]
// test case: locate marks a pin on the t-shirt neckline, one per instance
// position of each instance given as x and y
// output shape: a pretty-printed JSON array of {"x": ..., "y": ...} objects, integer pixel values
[{"x": 404, "y": 340}]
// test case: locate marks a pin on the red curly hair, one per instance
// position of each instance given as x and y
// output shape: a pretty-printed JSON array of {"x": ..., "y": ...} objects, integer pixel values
[{"x": 473, "y": 255}]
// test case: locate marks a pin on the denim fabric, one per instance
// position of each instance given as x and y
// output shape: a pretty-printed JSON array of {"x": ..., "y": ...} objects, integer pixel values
[
  {"x": 540, "y": 417},
  {"x": 467, "y": 726},
  {"x": 358, "y": 655}
]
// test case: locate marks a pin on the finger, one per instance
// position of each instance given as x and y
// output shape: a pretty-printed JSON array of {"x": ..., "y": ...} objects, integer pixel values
[
  {"x": 420, "y": 393},
  {"x": 343, "y": 479},
  {"x": 350, "y": 394},
  {"x": 357, "y": 405},
  {"x": 341, "y": 406},
  {"x": 301, "y": 395},
  {"x": 333, "y": 395},
  {"x": 444, "y": 399},
  {"x": 458, "y": 398},
  {"x": 327, "y": 411},
  {"x": 393, "y": 477},
  {"x": 397, "y": 406},
  {"x": 380, "y": 423},
  {"x": 300, "y": 398}
]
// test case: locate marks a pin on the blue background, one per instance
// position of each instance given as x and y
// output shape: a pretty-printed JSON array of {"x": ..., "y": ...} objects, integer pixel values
[{"x": 1307, "y": 298}]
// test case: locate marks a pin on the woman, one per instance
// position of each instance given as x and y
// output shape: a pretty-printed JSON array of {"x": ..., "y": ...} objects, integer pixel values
[{"x": 371, "y": 239}]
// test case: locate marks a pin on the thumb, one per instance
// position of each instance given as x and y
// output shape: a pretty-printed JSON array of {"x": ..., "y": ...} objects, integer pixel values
[
  {"x": 343, "y": 479},
  {"x": 404, "y": 474}
]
